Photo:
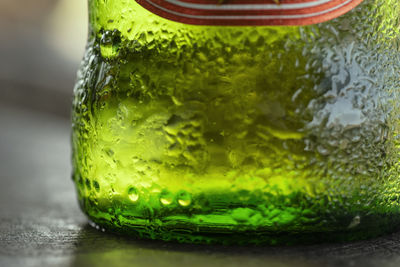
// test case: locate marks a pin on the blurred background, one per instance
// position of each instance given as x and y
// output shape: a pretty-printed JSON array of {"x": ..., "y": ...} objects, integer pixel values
[{"x": 41, "y": 44}]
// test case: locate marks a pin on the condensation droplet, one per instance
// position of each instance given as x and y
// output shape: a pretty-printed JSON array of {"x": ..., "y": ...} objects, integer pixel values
[
  {"x": 323, "y": 151},
  {"x": 96, "y": 186},
  {"x": 88, "y": 185},
  {"x": 242, "y": 214},
  {"x": 133, "y": 194},
  {"x": 184, "y": 199},
  {"x": 166, "y": 197},
  {"x": 155, "y": 189},
  {"x": 355, "y": 222}
]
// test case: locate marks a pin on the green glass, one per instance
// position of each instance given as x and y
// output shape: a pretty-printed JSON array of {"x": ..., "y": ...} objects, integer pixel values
[{"x": 222, "y": 134}]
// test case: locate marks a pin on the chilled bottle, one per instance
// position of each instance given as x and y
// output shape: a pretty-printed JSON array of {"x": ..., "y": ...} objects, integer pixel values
[{"x": 239, "y": 121}]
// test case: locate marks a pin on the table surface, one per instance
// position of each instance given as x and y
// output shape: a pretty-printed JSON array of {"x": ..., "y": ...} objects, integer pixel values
[{"x": 41, "y": 224}]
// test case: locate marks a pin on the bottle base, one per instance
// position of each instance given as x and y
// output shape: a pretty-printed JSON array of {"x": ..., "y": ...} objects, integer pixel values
[{"x": 378, "y": 225}]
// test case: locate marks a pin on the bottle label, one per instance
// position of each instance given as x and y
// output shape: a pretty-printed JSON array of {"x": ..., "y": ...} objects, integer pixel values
[{"x": 249, "y": 12}]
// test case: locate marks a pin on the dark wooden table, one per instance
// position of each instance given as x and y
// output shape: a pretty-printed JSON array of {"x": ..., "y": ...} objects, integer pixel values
[{"x": 41, "y": 224}]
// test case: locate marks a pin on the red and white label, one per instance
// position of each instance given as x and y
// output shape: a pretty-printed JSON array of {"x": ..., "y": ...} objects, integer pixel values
[{"x": 249, "y": 12}]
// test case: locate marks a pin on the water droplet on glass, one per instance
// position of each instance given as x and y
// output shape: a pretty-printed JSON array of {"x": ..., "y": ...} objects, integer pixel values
[
  {"x": 133, "y": 194},
  {"x": 96, "y": 186},
  {"x": 184, "y": 199},
  {"x": 242, "y": 214},
  {"x": 88, "y": 185},
  {"x": 355, "y": 222},
  {"x": 166, "y": 197},
  {"x": 323, "y": 151},
  {"x": 155, "y": 189}
]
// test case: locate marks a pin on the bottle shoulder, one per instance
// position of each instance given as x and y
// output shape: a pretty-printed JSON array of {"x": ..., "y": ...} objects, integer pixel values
[{"x": 370, "y": 17}]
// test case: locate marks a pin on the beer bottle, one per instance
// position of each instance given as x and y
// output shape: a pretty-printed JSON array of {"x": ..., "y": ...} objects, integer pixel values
[{"x": 240, "y": 121}]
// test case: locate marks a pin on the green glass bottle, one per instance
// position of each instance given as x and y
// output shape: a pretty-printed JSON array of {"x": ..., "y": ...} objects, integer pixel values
[{"x": 207, "y": 121}]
